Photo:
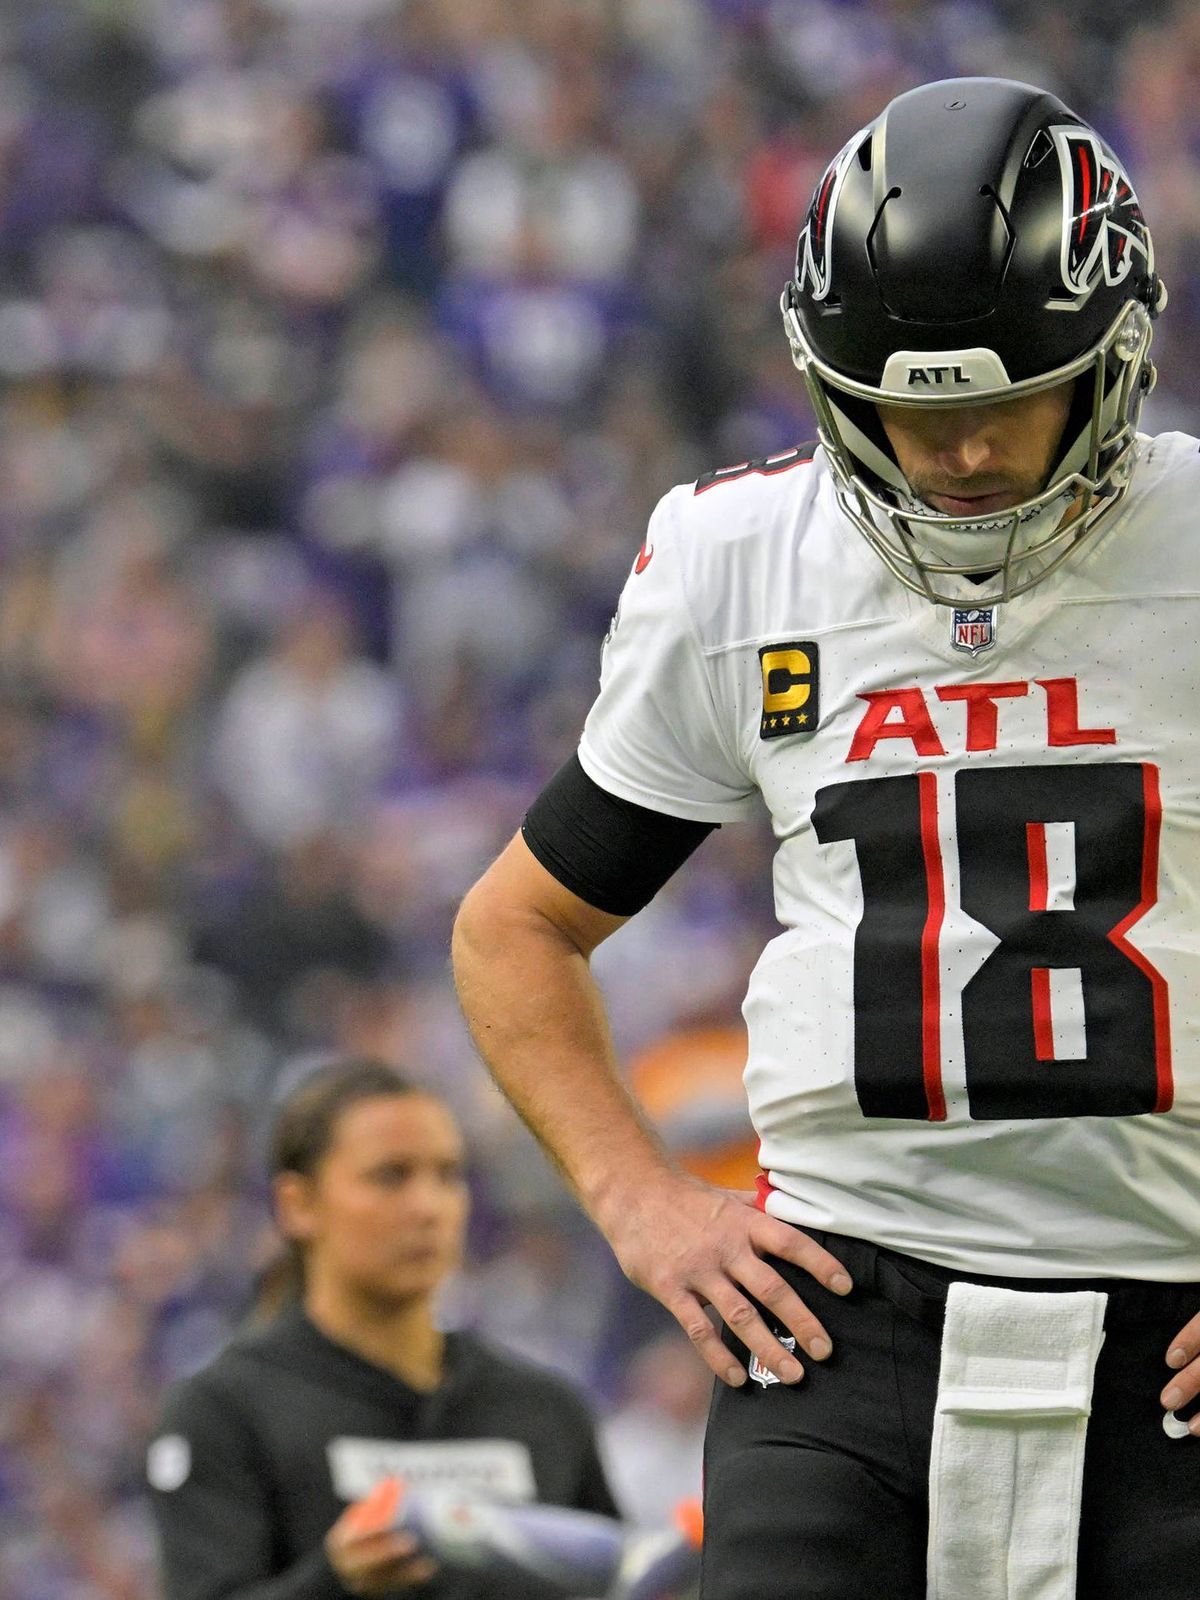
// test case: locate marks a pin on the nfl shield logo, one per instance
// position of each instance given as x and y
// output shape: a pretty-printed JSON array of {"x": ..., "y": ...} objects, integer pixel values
[
  {"x": 974, "y": 630},
  {"x": 762, "y": 1374}
]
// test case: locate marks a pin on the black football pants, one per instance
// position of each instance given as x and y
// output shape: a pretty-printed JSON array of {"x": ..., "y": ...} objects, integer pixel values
[{"x": 820, "y": 1492}]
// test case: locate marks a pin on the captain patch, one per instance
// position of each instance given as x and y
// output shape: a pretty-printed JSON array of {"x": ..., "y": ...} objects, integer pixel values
[{"x": 789, "y": 689}]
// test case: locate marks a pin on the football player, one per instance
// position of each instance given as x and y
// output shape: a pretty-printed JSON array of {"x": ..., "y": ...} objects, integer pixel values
[{"x": 951, "y": 647}]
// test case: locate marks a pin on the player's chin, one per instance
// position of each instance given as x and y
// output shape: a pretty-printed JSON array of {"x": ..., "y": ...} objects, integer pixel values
[{"x": 978, "y": 505}]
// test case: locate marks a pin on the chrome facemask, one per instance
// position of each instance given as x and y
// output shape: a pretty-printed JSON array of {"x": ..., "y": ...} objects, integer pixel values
[{"x": 937, "y": 555}]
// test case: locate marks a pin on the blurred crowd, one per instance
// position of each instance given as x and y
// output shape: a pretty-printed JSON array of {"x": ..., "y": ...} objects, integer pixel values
[{"x": 344, "y": 349}]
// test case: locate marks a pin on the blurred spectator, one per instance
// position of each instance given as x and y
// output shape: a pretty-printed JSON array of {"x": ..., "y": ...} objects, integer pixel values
[
  {"x": 306, "y": 734},
  {"x": 409, "y": 94},
  {"x": 303, "y": 925},
  {"x": 124, "y": 635}
]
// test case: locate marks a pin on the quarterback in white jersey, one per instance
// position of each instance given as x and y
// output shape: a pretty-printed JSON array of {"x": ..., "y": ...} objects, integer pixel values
[
  {"x": 949, "y": 647},
  {"x": 976, "y": 1039}
]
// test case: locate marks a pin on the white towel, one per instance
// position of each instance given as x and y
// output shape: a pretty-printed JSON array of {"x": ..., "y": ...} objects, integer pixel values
[{"x": 1014, "y": 1395}]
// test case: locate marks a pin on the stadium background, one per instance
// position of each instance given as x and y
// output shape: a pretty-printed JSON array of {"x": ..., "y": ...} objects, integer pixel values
[{"x": 345, "y": 349}]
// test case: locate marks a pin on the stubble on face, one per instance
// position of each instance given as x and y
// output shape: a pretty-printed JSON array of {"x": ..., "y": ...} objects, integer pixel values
[{"x": 975, "y": 460}]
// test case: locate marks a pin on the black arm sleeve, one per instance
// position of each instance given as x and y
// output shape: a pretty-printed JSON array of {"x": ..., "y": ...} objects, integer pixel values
[
  {"x": 215, "y": 1527},
  {"x": 610, "y": 852}
]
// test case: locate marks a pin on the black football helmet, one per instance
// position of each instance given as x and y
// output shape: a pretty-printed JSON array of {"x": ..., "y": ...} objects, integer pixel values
[{"x": 977, "y": 242}]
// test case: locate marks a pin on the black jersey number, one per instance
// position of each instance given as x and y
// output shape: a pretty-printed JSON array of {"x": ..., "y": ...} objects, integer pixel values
[{"x": 1064, "y": 1017}]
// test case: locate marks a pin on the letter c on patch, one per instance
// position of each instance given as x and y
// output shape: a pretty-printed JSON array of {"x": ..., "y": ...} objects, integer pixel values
[{"x": 786, "y": 678}]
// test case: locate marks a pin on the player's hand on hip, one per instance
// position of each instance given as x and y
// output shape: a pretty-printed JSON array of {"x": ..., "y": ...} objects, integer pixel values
[
  {"x": 369, "y": 1556},
  {"x": 691, "y": 1245},
  {"x": 1184, "y": 1356}
]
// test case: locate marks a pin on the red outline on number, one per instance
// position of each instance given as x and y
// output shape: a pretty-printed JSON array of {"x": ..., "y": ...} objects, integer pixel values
[
  {"x": 1039, "y": 871},
  {"x": 772, "y": 466},
  {"x": 1043, "y": 1020},
  {"x": 931, "y": 985},
  {"x": 1162, "y": 1011}
]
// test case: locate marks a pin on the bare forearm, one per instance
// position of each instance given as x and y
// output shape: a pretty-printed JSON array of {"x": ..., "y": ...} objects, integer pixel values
[
  {"x": 538, "y": 1020},
  {"x": 521, "y": 947}
]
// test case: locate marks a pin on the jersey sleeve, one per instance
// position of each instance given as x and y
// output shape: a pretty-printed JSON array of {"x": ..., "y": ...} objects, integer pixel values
[
  {"x": 656, "y": 735},
  {"x": 211, "y": 1500}
]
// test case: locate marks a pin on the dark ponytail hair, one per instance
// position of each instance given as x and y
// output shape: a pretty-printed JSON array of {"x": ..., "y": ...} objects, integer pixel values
[{"x": 303, "y": 1131}]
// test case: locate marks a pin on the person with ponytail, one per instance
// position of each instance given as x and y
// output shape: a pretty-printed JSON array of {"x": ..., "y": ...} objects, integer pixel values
[{"x": 343, "y": 1377}]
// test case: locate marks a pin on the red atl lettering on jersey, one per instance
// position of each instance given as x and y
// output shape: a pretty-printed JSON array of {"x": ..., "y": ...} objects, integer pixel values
[
  {"x": 1062, "y": 715},
  {"x": 914, "y": 723},
  {"x": 905, "y": 714},
  {"x": 980, "y": 701}
]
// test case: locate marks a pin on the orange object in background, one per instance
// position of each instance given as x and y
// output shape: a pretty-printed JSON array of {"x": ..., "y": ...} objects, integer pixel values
[
  {"x": 376, "y": 1512},
  {"x": 689, "y": 1519},
  {"x": 690, "y": 1085}
]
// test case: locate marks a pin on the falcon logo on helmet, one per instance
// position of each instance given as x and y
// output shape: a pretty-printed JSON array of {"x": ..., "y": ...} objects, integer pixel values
[
  {"x": 1103, "y": 225},
  {"x": 814, "y": 249}
]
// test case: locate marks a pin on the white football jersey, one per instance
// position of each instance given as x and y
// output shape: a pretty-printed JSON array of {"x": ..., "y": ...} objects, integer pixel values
[{"x": 977, "y": 1039}]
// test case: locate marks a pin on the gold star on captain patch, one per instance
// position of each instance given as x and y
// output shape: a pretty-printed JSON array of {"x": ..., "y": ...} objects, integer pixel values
[
  {"x": 774, "y": 720},
  {"x": 786, "y": 720},
  {"x": 803, "y": 717}
]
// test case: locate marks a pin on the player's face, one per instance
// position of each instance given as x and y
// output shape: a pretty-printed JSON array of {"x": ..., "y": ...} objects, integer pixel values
[
  {"x": 971, "y": 460},
  {"x": 386, "y": 1209}
]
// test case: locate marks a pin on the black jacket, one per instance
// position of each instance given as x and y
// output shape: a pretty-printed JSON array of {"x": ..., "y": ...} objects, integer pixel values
[{"x": 259, "y": 1453}]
